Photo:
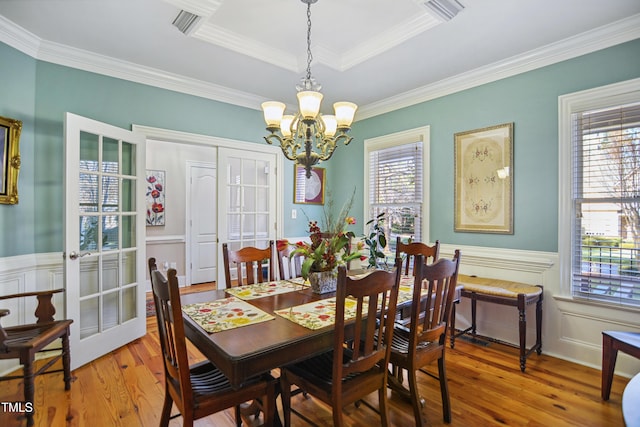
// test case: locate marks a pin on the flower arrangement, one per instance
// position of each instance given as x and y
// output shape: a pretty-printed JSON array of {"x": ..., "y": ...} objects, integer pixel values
[{"x": 330, "y": 248}]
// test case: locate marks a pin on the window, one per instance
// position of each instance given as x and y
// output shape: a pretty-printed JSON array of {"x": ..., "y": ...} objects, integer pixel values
[
  {"x": 396, "y": 183},
  {"x": 600, "y": 153}
]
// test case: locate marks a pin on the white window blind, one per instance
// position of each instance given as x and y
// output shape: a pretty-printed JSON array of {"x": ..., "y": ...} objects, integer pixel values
[
  {"x": 606, "y": 203},
  {"x": 395, "y": 188}
]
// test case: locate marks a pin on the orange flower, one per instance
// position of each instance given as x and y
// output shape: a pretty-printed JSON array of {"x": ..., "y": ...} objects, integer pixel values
[
  {"x": 350, "y": 220},
  {"x": 281, "y": 245}
]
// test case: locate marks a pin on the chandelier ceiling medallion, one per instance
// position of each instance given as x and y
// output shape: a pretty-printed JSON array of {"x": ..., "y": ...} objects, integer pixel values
[{"x": 308, "y": 137}]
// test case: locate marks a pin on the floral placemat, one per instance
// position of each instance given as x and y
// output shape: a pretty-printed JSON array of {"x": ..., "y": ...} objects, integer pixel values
[
  {"x": 224, "y": 314},
  {"x": 405, "y": 293},
  {"x": 259, "y": 290},
  {"x": 299, "y": 281},
  {"x": 316, "y": 315}
]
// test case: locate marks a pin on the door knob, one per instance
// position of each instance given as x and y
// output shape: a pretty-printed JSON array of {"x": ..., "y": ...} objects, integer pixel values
[{"x": 75, "y": 255}]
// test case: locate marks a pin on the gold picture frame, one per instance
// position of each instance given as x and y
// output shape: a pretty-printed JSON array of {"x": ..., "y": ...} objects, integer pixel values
[
  {"x": 308, "y": 190},
  {"x": 10, "y": 160},
  {"x": 484, "y": 180}
]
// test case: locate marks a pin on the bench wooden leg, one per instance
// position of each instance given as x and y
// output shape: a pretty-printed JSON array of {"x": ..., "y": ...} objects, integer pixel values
[
  {"x": 473, "y": 316},
  {"x": 539, "y": 325},
  {"x": 522, "y": 310}
]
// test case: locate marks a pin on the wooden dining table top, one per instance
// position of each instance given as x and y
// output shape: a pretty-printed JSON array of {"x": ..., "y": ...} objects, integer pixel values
[{"x": 244, "y": 352}]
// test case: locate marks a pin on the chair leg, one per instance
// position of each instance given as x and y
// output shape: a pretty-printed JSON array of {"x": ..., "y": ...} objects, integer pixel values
[
  {"x": 382, "y": 403},
  {"x": 28, "y": 387},
  {"x": 337, "y": 417},
  {"x": 166, "y": 409},
  {"x": 238, "y": 416},
  {"x": 66, "y": 361},
  {"x": 444, "y": 390},
  {"x": 415, "y": 397}
]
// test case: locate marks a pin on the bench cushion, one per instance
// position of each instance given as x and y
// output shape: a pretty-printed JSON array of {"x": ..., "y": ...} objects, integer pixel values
[{"x": 497, "y": 287}]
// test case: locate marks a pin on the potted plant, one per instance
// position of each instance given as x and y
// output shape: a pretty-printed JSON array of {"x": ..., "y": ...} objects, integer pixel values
[{"x": 376, "y": 242}]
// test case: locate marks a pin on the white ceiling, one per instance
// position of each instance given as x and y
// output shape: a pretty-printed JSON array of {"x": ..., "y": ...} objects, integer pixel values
[{"x": 380, "y": 54}]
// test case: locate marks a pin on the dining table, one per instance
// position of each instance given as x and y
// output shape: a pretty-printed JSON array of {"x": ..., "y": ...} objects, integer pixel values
[{"x": 289, "y": 326}]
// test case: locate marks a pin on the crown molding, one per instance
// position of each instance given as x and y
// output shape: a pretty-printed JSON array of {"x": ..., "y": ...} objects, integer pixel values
[
  {"x": 247, "y": 46},
  {"x": 59, "y": 54},
  {"x": 600, "y": 38},
  {"x": 590, "y": 41},
  {"x": 19, "y": 38}
]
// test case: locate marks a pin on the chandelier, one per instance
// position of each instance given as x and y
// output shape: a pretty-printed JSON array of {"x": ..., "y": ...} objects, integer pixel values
[{"x": 308, "y": 137}]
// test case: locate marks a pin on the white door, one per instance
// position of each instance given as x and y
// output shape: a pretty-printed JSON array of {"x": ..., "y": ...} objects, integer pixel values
[
  {"x": 202, "y": 221},
  {"x": 248, "y": 202},
  {"x": 104, "y": 263}
]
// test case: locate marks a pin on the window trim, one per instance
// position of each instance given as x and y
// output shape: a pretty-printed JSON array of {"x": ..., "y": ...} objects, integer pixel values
[
  {"x": 602, "y": 97},
  {"x": 421, "y": 134}
]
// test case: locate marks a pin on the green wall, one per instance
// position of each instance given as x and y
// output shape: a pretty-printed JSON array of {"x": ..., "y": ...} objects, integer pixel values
[
  {"x": 39, "y": 93},
  {"x": 530, "y": 101},
  {"x": 17, "y": 222},
  {"x": 120, "y": 103}
]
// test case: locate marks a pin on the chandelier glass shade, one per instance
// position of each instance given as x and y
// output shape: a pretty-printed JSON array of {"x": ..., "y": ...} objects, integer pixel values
[{"x": 308, "y": 136}]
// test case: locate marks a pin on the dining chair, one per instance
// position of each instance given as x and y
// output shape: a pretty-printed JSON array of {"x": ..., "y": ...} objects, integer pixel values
[
  {"x": 289, "y": 267},
  {"x": 248, "y": 264},
  {"x": 355, "y": 367},
  {"x": 201, "y": 389},
  {"x": 24, "y": 342},
  {"x": 424, "y": 340},
  {"x": 408, "y": 252}
]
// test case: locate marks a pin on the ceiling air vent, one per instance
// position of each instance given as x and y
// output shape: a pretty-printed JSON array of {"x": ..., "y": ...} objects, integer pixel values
[
  {"x": 445, "y": 9},
  {"x": 185, "y": 21}
]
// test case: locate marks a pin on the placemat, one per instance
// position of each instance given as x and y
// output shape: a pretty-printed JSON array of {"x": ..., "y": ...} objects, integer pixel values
[
  {"x": 225, "y": 314},
  {"x": 259, "y": 290},
  {"x": 316, "y": 315}
]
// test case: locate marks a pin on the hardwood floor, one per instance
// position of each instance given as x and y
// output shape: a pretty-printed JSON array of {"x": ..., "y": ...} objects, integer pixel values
[{"x": 125, "y": 388}]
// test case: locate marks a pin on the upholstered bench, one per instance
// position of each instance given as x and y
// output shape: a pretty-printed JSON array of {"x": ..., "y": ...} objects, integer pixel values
[{"x": 502, "y": 292}]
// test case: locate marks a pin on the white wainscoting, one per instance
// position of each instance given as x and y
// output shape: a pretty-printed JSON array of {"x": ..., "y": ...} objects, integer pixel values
[{"x": 571, "y": 330}]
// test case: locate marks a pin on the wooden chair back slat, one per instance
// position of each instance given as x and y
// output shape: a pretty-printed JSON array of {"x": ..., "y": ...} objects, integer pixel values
[
  {"x": 408, "y": 252},
  {"x": 368, "y": 347},
  {"x": 246, "y": 260}
]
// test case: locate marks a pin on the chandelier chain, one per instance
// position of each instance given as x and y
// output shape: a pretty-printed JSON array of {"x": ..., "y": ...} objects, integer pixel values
[
  {"x": 308, "y": 137},
  {"x": 309, "y": 54}
]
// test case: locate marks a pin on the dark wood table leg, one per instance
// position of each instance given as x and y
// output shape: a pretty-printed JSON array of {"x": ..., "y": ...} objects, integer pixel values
[{"x": 609, "y": 356}]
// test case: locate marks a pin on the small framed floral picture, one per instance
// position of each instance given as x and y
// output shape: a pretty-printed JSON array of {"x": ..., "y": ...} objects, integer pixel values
[{"x": 155, "y": 197}]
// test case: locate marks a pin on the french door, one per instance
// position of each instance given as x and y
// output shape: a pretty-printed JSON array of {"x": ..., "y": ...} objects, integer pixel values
[
  {"x": 248, "y": 200},
  {"x": 104, "y": 262}
]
